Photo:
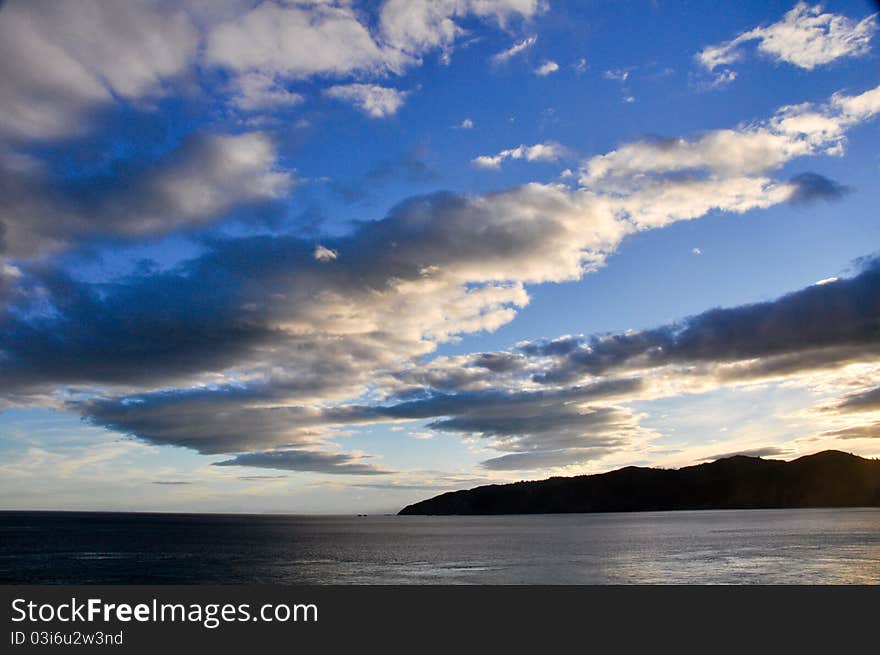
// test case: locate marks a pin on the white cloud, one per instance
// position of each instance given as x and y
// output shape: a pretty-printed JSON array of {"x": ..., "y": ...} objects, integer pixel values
[
  {"x": 657, "y": 204},
  {"x": 794, "y": 131},
  {"x": 548, "y": 151},
  {"x": 220, "y": 172},
  {"x": 854, "y": 109},
  {"x": 805, "y": 37},
  {"x": 722, "y": 79},
  {"x": 827, "y": 280},
  {"x": 59, "y": 61},
  {"x": 296, "y": 41},
  {"x": 546, "y": 68},
  {"x": 254, "y": 91},
  {"x": 323, "y": 254},
  {"x": 515, "y": 49},
  {"x": 466, "y": 124},
  {"x": 374, "y": 100},
  {"x": 415, "y": 26},
  {"x": 619, "y": 74},
  {"x": 696, "y": 251}
]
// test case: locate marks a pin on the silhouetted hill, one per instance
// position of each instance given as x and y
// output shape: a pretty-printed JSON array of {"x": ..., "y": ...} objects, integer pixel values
[{"x": 827, "y": 479}]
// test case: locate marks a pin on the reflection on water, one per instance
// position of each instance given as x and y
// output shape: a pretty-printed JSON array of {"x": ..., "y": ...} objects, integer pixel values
[{"x": 834, "y": 546}]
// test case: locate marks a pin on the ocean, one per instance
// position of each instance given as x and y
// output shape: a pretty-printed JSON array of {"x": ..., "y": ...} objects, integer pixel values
[{"x": 802, "y": 546}]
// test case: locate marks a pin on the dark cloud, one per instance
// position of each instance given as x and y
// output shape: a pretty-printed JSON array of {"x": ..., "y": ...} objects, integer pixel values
[
  {"x": 499, "y": 362},
  {"x": 862, "y": 401},
  {"x": 559, "y": 425},
  {"x": 870, "y": 431},
  {"x": 537, "y": 428},
  {"x": 142, "y": 330},
  {"x": 210, "y": 421},
  {"x": 237, "y": 419},
  {"x": 462, "y": 483},
  {"x": 545, "y": 459},
  {"x": 768, "y": 451},
  {"x": 502, "y": 403},
  {"x": 201, "y": 181},
  {"x": 302, "y": 460},
  {"x": 171, "y": 482},
  {"x": 552, "y": 348},
  {"x": 218, "y": 311},
  {"x": 466, "y": 373},
  {"x": 436, "y": 266},
  {"x": 819, "y": 326},
  {"x": 812, "y": 187},
  {"x": 412, "y": 166},
  {"x": 262, "y": 477}
]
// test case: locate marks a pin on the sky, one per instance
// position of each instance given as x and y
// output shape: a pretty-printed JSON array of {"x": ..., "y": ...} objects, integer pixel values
[{"x": 338, "y": 257}]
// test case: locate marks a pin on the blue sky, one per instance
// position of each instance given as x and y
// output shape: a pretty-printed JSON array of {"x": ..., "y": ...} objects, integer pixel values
[{"x": 337, "y": 257}]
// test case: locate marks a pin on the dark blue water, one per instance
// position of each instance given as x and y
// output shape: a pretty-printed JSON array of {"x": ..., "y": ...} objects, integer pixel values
[{"x": 838, "y": 546}]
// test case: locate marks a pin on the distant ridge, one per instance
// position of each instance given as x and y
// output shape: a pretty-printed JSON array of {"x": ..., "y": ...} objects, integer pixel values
[{"x": 827, "y": 479}]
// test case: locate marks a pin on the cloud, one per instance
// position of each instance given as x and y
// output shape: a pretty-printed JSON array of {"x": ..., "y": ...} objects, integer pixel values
[
  {"x": 804, "y": 37},
  {"x": 619, "y": 74},
  {"x": 546, "y": 68},
  {"x": 59, "y": 65},
  {"x": 554, "y": 403},
  {"x": 548, "y": 151},
  {"x": 257, "y": 91},
  {"x": 323, "y": 254},
  {"x": 262, "y": 477},
  {"x": 767, "y": 451},
  {"x": 374, "y": 100},
  {"x": 200, "y": 181},
  {"x": 9, "y": 280},
  {"x": 416, "y": 26},
  {"x": 721, "y": 79},
  {"x": 537, "y": 429},
  {"x": 812, "y": 187},
  {"x": 293, "y": 41},
  {"x": 545, "y": 459},
  {"x": 221, "y": 420},
  {"x": 862, "y": 401},
  {"x": 280, "y": 41},
  {"x": 466, "y": 124},
  {"x": 573, "y": 409},
  {"x": 173, "y": 483},
  {"x": 870, "y": 431},
  {"x": 826, "y": 280},
  {"x": 60, "y": 62},
  {"x": 657, "y": 181},
  {"x": 517, "y": 48},
  {"x": 302, "y": 460},
  {"x": 413, "y": 165},
  {"x": 441, "y": 265},
  {"x": 463, "y": 373},
  {"x": 255, "y": 344},
  {"x": 817, "y": 327}
]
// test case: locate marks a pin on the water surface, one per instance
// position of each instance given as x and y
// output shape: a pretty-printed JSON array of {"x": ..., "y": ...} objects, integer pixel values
[{"x": 803, "y": 546}]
